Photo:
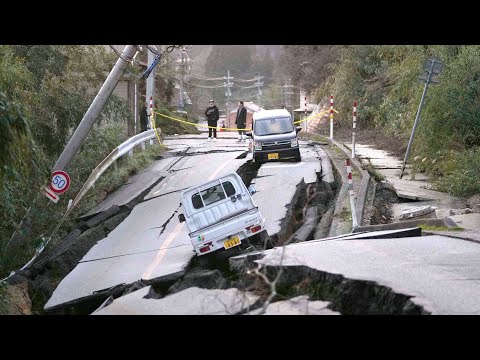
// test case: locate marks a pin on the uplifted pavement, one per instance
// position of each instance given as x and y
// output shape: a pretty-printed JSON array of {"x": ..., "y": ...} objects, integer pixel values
[{"x": 441, "y": 274}]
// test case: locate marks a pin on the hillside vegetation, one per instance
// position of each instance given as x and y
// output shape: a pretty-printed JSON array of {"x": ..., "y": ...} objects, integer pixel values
[{"x": 383, "y": 79}]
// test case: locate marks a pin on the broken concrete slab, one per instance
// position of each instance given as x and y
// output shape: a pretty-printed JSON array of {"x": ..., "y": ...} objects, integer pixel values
[
  {"x": 467, "y": 221},
  {"x": 440, "y": 274},
  {"x": 407, "y": 224},
  {"x": 442, "y": 207},
  {"x": 378, "y": 158},
  {"x": 145, "y": 229},
  {"x": 327, "y": 171},
  {"x": 88, "y": 278},
  {"x": 104, "y": 215},
  {"x": 279, "y": 180},
  {"x": 191, "y": 170},
  {"x": 96, "y": 275},
  {"x": 461, "y": 211},
  {"x": 469, "y": 235},
  {"x": 240, "y": 263},
  {"x": 306, "y": 230},
  {"x": 205, "y": 279},
  {"x": 135, "y": 186},
  {"x": 191, "y": 301},
  {"x": 413, "y": 189},
  {"x": 300, "y": 305},
  {"x": 377, "y": 234},
  {"x": 413, "y": 212}
]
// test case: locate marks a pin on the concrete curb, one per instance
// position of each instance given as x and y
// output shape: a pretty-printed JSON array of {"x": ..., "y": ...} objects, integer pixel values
[{"x": 363, "y": 190}]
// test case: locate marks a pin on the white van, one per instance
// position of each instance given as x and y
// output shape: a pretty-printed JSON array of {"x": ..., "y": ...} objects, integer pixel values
[
  {"x": 220, "y": 215},
  {"x": 274, "y": 136}
]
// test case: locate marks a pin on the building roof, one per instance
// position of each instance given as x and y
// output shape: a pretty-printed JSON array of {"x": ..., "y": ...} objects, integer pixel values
[
  {"x": 271, "y": 113},
  {"x": 250, "y": 106}
]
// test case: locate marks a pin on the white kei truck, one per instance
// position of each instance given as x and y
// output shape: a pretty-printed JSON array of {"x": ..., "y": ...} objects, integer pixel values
[{"x": 221, "y": 216}]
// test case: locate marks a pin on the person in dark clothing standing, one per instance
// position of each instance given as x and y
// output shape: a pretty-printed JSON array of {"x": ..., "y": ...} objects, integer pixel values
[
  {"x": 241, "y": 121},
  {"x": 212, "y": 117},
  {"x": 143, "y": 118}
]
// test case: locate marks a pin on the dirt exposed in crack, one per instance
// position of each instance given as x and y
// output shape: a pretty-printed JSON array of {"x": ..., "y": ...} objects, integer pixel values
[
  {"x": 385, "y": 196},
  {"x": 347, "y": 296}
]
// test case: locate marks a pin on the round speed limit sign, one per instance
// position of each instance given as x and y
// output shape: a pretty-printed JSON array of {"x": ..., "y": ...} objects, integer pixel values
[{"x": 60, "y": 181}]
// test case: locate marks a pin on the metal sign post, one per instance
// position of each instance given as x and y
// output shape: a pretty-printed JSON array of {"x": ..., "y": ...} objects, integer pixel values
[{"x": 431, "y": 68}]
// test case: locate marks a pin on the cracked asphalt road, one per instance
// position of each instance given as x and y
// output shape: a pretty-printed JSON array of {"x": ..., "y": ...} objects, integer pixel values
[{"x": 150, "y": 243}]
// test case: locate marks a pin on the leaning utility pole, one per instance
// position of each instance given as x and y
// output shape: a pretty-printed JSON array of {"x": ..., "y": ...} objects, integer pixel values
[{"x": 95, "y": 108}]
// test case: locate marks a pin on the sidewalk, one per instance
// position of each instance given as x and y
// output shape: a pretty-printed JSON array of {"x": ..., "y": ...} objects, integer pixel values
[{"x": 413, "y": 193}]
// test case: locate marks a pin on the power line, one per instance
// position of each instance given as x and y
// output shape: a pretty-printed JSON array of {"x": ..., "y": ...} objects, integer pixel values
[
  {"x": 205, "y": 78},
  {"x": 242, "y": 80},
  {"x": 208, "y": 87},
  {"x": 245, "y": 87}
]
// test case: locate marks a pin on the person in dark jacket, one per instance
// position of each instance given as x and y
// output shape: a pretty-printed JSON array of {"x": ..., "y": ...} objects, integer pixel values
[
  {"x": 212, "y": 117},
  {"x": 143, "y": 118},
  {"x": 241, "y": 121}
]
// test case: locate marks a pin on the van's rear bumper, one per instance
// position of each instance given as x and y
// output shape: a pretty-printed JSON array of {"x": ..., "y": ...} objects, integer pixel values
[{"x": 290, "y": 153}]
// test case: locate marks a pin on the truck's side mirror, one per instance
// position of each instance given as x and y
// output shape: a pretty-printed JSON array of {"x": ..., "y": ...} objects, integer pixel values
[
  {"x": 298, "y": 128},
  {"x": 252, "y": 190},
  {"x": 248, "y": 133},
  {"x": 181, "y": 218}
]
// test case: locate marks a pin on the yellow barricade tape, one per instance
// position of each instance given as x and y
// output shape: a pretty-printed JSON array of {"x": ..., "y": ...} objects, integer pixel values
[
  {"x": 236, "y": 129},
  {"x": 152, "y": 120}
]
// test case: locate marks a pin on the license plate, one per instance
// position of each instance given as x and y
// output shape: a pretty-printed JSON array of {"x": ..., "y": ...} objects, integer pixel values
[
  {"x": 234, "y": 241},
  {"x": 272, "y": 156}
]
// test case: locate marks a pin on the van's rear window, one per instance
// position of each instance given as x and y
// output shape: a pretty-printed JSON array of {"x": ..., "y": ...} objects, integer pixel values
[{"x": 213, "y": 194}]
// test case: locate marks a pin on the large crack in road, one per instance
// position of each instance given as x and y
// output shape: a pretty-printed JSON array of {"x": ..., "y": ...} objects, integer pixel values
[{"x": 309, "y": 205}]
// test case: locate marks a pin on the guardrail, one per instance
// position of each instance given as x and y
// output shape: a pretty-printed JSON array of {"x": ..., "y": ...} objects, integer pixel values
[{"x": 118, "y": 152}]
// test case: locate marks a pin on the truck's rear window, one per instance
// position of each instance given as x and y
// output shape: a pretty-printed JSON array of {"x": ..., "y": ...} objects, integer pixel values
[{"x": 213, "y": 194}]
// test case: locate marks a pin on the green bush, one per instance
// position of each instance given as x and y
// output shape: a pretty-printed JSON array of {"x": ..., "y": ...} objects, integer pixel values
[
  {"x": 461, "y": 173},
  {"x": 170, "y": 126}
]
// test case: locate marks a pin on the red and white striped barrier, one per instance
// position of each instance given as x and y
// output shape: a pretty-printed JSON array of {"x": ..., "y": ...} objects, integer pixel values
[
  {"x": 351, "y": 193},
  {"x": 150, "y": 122},
  {"x": 354, "y": 127},
  {"x": 331, "y": 116}
]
